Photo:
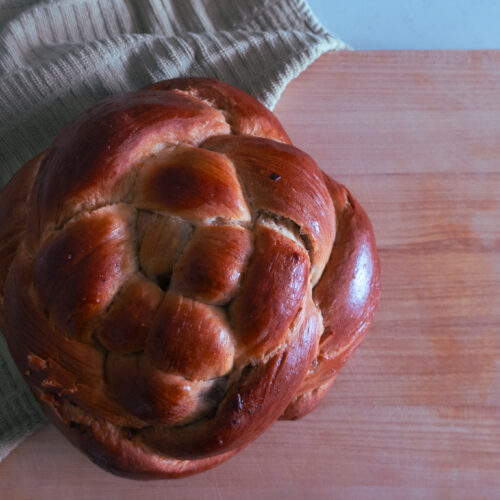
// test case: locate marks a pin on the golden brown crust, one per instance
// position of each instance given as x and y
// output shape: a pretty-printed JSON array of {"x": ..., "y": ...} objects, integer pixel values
[
  {"x": 190, "y": 339},
  {"x": 13, "y": 207},
  {"x": 270, "y": 297},
  {"x": 285, "y": 183},
  {"x": 177, "y": 276},
  {"x": 125, "y": 327},
  {"x": 192, "y": 183},
  {"x": 79, "y": 271},
  {"x": 211, "y": 265},
  {"x": 347, "y": 295},
  {"x": 116, "y": 450},
  {"x": 245, "y": 114}
]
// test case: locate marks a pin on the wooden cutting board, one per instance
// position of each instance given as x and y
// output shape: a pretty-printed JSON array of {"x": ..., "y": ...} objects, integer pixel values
[{"x": 416, "y": 412}]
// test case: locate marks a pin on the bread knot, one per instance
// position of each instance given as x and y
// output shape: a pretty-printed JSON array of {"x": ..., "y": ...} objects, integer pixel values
[{"x": 182, "y": 275}]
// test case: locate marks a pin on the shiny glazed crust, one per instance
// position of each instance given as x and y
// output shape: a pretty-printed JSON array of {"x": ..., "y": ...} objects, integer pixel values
[{"x": 175, "y": 276}]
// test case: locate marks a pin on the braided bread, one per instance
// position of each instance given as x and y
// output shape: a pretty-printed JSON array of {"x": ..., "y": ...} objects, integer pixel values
[{"x": 175, "y": 276}]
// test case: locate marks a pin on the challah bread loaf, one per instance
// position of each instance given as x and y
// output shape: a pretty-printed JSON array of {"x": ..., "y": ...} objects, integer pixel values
[{"x": 175, "y": 276}]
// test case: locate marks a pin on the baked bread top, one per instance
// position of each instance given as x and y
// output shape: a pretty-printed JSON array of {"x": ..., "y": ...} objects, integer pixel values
[{"x": 175, "y": 276}]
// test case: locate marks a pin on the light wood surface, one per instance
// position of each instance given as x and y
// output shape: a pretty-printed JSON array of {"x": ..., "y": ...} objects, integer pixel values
[{"x": 416, "y": 412}]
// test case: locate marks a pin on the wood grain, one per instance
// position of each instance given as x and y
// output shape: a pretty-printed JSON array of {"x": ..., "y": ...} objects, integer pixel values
[{"x": 416, "y": 412}]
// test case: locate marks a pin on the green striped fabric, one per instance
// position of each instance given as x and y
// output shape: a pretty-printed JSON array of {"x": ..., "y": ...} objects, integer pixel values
[{"x": 58, "y": 57}]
